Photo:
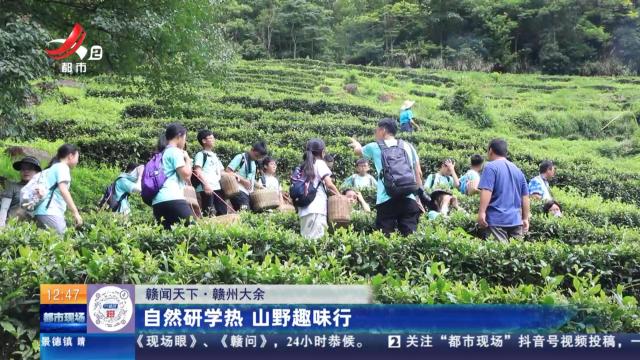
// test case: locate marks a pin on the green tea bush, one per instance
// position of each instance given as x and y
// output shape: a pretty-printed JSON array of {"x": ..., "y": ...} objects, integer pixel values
[
  {"x": 577, "y": 124},
  {"x": 351, "y": 78},
  {"x": 433, "y": 267},
  {"x": 423, "y": 93},
  {"x": 140, "y": 111},
  {"x": 367, "y": 254},
  {"x": 319, "y": 107},
  {"x": 115, "y": 149},
  {"x": 467, "y": 103},
  {"x": 596, "y": 210},
  {"x": 110, "y": 93}
]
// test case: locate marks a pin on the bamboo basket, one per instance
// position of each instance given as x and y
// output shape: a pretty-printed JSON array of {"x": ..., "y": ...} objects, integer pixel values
[
  {"x": 192, "y": 199},
  {"x": 284, "y": 207},
  {"x": 339, "y": 210},
  {"x": 229, "y": 185},
  {"x": 264, "y": 199},
  {"x": 228, "y": 219}
]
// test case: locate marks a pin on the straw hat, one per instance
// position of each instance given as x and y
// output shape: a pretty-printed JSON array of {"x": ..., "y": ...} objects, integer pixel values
[
  {"x": 30, "y": 160},
  {"x": 439, "y": 192},
  {"x": 407, "y": 104}
]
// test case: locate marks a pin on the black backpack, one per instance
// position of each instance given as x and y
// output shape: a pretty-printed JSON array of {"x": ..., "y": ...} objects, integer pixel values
[
  {"x": 301, "y": 190},
  {"x": 109, "y": 200},
  {"x": 397, "y": 173},
  {"x": 195, "y": 181},
  {"x": 244, "y": 161}
]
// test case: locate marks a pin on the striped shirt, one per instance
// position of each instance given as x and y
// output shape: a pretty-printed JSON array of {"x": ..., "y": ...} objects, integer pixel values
[{"x": 540, "y": 186}]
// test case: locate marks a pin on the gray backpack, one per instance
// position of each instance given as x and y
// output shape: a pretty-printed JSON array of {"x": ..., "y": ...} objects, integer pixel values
[{"x": 397, "y": 173}]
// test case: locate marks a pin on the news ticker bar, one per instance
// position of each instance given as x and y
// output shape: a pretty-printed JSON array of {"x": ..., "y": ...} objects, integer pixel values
[
  {"x": 132, "y": 321},
  {"x": 355, "y": 346}
]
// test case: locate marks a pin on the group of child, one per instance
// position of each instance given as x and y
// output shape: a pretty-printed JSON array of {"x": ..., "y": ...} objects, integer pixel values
[
  {"x": 433, "y": 196},
  {"x": 169, "y": 203}
]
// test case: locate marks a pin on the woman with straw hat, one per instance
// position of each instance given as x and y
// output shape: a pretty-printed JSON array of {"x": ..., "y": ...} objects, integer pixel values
[
  {"x": 10, "y": 197},
  {"x": 406, "y": 117}
]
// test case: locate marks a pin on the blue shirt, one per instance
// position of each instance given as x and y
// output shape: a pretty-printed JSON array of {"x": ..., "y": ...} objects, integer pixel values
[
  {"x": 507, "y": 185},
  {"x": 540, "y": 186},
  {"x": 406, "y": 116},
  {"x": 56, "y": 174},
  {"x": 125, "y": 185},
  {"x": 372, "y": 152},
  {"x": 173, "y": 187}
]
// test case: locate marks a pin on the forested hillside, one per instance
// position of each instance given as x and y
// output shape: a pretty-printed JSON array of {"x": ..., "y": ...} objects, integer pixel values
[{"x": 588, "y": 37}]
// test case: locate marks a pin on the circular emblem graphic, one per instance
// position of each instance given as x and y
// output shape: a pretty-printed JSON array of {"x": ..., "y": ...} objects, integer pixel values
[{"x": 110, "y": 308}]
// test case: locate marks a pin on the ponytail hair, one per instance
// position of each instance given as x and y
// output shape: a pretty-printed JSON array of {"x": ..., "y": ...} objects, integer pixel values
[
  {"x": 63, "y": 151},
  {"x": 174, "y": 130},
  {"x": 161, "y": 144},
  {"x": 313, "y": 150}
]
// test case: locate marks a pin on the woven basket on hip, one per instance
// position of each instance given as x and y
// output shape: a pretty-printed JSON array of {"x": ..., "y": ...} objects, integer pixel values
[
  {"x": 192, "y": 199},
  {"x": 229, "y": 185},
  {"x": 339, "y": 209},
  {"x": 264, "y": 199},
  {"x": 286, "y": 208},
  {"x": 227, "y": 219}
]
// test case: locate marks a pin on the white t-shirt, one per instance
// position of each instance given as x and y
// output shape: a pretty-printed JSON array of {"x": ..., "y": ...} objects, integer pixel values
[
  {"x": 271, "y": 183},
  {"x": 212, "y": 169},
  {"x": 319, "y": 204}
]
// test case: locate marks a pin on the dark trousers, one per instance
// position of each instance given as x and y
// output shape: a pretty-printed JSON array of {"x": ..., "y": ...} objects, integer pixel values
[
  {"x": 213, "y": 202},
  {"x": 172, "y": 212},
  {"x": 401, "y": 214},
  {"x": 406, "y": 127},
  {"x": 504, "y": 233},
  {"x": 240, "y": 202}
]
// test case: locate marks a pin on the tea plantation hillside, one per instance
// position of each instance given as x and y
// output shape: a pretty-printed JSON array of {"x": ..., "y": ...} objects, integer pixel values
[{"x": 589, "y": 127}]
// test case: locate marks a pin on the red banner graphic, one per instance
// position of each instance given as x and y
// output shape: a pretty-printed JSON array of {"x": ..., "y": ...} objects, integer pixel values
[{"x": 69, "y": 47}]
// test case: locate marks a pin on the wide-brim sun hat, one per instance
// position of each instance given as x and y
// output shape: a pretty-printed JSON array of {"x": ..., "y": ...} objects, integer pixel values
[
  {"x": 439, "y": 192},
  {"x": 407, "y": 104},
  {"x": 27, "y": 160}
]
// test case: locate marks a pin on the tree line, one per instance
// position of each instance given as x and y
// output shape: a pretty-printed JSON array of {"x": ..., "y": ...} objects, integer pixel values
[{"x": 588, "y": 37}]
